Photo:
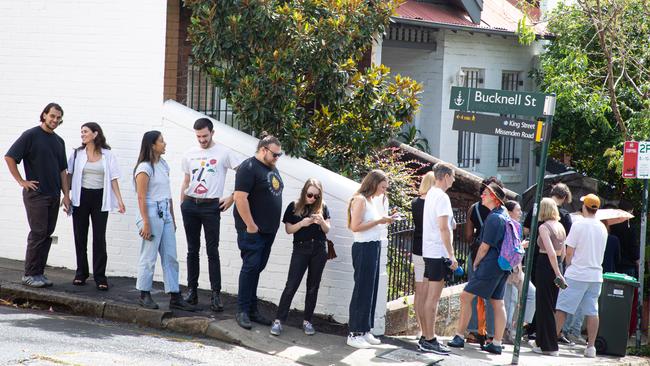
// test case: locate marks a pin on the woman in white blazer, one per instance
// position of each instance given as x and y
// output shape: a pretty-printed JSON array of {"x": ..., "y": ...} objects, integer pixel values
[{"x": 94, "y": 192}]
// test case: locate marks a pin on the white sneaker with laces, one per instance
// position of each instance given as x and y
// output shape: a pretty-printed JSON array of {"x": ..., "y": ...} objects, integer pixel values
[
  {"x": 371, "y": 339},
  {"x": 357, "y": 342},
  {"x": 590, "y": 352}
]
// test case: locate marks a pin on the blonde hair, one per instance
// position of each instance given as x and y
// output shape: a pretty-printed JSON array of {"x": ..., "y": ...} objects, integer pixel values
[
  {"x": 548, "y": 210},
  {"x": 368, "y": 187},
  {"x": 428, "y": 181}
]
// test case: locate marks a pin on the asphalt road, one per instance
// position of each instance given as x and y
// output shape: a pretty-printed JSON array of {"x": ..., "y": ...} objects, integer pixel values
[{"x": 42, "y": 338}]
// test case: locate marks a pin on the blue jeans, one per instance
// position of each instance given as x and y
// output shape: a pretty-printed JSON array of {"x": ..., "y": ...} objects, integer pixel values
[
  {"x": 163, "y": 241},
  {"x": 365, "y": 260},
  {"x": 573, "y": 323},
  {"x": 511, "y": 299},
  {"x": 255, "y": 250}
]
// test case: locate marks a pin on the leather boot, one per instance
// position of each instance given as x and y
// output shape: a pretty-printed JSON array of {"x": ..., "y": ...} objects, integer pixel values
[
  {"x": 146, "y": 301},
  {"x": 215, "y": 301},
  {"x": 177, "y": 302},
  {"x": 191, "y": 296}
]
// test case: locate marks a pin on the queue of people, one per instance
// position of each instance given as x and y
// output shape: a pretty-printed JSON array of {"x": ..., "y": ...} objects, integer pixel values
[{"x": 568, "y": 259}]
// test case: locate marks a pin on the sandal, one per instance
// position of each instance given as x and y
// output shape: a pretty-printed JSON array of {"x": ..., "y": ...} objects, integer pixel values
[
  {"x": 78, "y": 282},
  {"x": 102, "y": 286}
]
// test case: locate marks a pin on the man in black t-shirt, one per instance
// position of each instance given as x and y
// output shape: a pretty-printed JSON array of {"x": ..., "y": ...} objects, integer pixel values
[
  {"x": 43, "y": 155},
  {"x": 258, "y": 207}
]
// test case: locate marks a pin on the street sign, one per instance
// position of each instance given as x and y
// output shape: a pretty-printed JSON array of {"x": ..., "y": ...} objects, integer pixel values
[
  {"x": 501, "y": 101},
  {"x": 643, "y": 161},
  {"x": 630, "y": 159},
  {"x": 498, "y": 126}
]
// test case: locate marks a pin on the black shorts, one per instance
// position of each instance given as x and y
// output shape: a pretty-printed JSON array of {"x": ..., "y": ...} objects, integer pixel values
[{"x": 435, "y": 269}]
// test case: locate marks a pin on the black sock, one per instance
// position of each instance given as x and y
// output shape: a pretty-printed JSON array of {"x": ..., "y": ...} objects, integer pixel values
[{"x": 432, "y": 340}]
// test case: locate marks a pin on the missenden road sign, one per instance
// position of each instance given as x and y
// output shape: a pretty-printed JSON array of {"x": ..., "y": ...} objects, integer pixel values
[
  {"x": 501, "y": 101},
  {"x": 498, "y": 126}
]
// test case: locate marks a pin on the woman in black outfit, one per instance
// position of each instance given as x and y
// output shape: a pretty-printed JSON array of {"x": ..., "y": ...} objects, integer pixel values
[{"x": 308, "y": 220}]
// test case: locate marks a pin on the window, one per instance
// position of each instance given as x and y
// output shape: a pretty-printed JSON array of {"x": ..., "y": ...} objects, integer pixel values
[
  {"x": 467, "y": 140},
  {"x": 508, "y": 152}
]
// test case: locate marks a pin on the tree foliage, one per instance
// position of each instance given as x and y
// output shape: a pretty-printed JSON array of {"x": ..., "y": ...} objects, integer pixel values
[
  {"x": 291, "y": 68},
  {"x": 599, "y": 67}
]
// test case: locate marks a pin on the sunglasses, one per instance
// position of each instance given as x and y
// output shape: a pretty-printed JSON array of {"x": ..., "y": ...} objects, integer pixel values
[
  {"x": 275, "y": 155},
  {"x": 314, "y": 196}
]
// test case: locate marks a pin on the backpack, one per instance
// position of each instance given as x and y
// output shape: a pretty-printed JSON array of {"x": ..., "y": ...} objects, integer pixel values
[{"x": 511, "y": 252}]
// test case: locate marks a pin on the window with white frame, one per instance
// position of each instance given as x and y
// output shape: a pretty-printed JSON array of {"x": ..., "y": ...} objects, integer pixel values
[{"x": 467, "y": 156}]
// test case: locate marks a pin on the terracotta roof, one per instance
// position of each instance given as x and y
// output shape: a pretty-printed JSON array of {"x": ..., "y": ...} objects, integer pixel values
[{"x": 497, "y": 15}]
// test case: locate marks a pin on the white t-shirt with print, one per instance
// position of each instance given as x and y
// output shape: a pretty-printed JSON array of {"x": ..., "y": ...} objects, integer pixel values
[
  {"x": 207, "y": 169},
  {"x": 436, "y": 204},
  {"x": 588, "y": 237}
]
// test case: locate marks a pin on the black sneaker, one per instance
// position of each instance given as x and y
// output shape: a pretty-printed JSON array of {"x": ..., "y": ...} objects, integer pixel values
[
  {"x": 433, "y": 346},
  {"x": 491, "y": 348},
  {"x": 456, "y": 342},
  {"x": 243, "y": 320},
  {"x": 258, "y": 318},
  {"x": 215, "y": 301},
  {"x": 564, "y": 340}
]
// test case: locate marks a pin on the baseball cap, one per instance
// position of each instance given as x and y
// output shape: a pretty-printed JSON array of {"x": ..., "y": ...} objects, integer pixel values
[{"x": 590, "y": 200}]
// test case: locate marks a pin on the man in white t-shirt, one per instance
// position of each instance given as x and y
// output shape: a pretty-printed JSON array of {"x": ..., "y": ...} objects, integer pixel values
[
  {"x": 438, "y": 253},
  {"x": 584, "y": 273},
  {"x": 202, "y": 200}
]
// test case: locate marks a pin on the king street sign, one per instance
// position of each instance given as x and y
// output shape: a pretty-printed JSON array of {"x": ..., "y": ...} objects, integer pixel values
[
  {"x": 499, "y": 126},
  {"x": 501, "y": 101}
]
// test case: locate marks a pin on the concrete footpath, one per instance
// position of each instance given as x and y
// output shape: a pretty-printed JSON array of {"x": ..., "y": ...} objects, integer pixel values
[{"x": 327, "y": 347}]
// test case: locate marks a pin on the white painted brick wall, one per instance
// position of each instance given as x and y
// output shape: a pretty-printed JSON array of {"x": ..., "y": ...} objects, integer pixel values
[{"x": 103, "y": 61}]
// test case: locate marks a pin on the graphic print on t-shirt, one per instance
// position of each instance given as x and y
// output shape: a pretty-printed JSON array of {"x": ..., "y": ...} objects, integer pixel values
[
  {"x": 199, "y": 174},
  {"x": 275, "y": 183}
]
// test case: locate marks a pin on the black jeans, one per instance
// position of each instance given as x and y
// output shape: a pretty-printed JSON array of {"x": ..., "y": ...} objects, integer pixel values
[
  {"x": 255, "y": 250},
  {"x": 42, "y": 212},
  {"x": 90, "y": 208},
  {"x": 206, "y": 215},
  {"x": 305, "y": 256},
  {"x": 365, "y": 260}
]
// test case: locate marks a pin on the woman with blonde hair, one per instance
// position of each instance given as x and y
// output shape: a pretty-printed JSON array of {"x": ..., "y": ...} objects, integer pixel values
[
  {"x": 308, "y": 219},
  {"x": 367, "y": 217},
  {"x": 417, "y": 211},
  {"x": 549, "y": 276}
]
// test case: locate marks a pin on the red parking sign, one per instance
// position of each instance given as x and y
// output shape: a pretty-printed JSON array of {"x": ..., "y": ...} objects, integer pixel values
[{"x": 630, "y": 159}]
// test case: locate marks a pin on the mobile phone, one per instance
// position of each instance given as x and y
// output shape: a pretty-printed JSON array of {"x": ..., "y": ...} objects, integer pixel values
[{"x": 560, "y": 283}]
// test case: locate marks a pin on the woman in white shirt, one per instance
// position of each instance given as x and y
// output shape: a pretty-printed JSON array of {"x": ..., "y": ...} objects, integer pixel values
[
  {"x": 367, "y": 218},
  {"x": 95, "y": 190}
]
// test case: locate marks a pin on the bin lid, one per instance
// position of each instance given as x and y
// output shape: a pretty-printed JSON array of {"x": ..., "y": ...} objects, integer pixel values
[{"x": 621, "y": 277}]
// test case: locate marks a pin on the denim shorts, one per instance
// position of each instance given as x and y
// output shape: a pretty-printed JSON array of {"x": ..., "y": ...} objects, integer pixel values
[{"x": 579, "y": 295}]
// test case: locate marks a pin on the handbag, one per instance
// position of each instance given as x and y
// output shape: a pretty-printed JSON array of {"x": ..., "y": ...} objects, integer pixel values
[{"x": 331, "y": 253}]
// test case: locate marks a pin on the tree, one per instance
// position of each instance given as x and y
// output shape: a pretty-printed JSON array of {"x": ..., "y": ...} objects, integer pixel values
[
  {"x": 599, "y": 67},
  {"x": 290, "y": 68}
]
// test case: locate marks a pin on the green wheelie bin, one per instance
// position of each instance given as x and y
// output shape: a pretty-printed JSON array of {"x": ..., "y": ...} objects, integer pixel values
[{"x": 614, "y": 311}]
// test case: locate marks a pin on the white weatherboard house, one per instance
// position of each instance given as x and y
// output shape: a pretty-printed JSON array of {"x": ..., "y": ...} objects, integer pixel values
[
  {"x": 468, "y": 43},
  {"x": 119, "y": 63}
]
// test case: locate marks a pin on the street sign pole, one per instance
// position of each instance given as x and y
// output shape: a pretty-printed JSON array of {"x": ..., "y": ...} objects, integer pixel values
[
  {"x": 533, "y": 239},
  {"x": 644, "y": 224}
]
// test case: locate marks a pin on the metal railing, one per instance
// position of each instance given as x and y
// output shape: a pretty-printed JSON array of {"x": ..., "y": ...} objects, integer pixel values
[
  {"x": 204, "y": 97},
  {"x": 401, "y": 279}
]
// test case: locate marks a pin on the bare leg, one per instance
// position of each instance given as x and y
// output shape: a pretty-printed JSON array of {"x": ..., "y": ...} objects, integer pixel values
[
  {"x": 431, "y": 308},
  {"x": 592, "y": 329},
  {"x": 560, "y": 318},
  {"x": 418, "y": 301},
  {"x": 465, "y": 312},
  {"x": 499, "y": 318}
]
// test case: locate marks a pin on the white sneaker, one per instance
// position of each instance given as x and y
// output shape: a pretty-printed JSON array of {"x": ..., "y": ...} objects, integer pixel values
[
  {"x": 546, "y": 353},
  {"x": 590, "y": 352},
  {"x": 371, "y": 339},
  {"x": 357, "y": 342}
]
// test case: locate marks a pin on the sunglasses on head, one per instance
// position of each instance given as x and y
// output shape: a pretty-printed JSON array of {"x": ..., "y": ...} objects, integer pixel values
[
  {"x": 275, "y": 155},
  {"x": 311, "y": 195}
]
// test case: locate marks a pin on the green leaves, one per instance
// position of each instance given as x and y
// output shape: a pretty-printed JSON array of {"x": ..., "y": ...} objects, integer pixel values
[{"x": 290, "y": 68}]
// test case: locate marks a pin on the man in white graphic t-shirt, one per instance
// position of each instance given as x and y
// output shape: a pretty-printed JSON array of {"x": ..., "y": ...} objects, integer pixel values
[
  {"x": 202, "y": 200},
  {"x": 584, "y": 272},
  {"x": 437, "y": 251}
]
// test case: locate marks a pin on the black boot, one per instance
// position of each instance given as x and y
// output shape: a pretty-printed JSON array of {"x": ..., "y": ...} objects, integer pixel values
[
  {"x": 191, "y": 296},
  {"x": 146, "y": 301},
  {"x": 177, "y": 302},
  {"x": 215, "y": 302}
]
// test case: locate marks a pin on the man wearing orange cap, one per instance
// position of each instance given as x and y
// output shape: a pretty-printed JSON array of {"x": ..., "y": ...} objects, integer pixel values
[{"x": 585, "y": 251}]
